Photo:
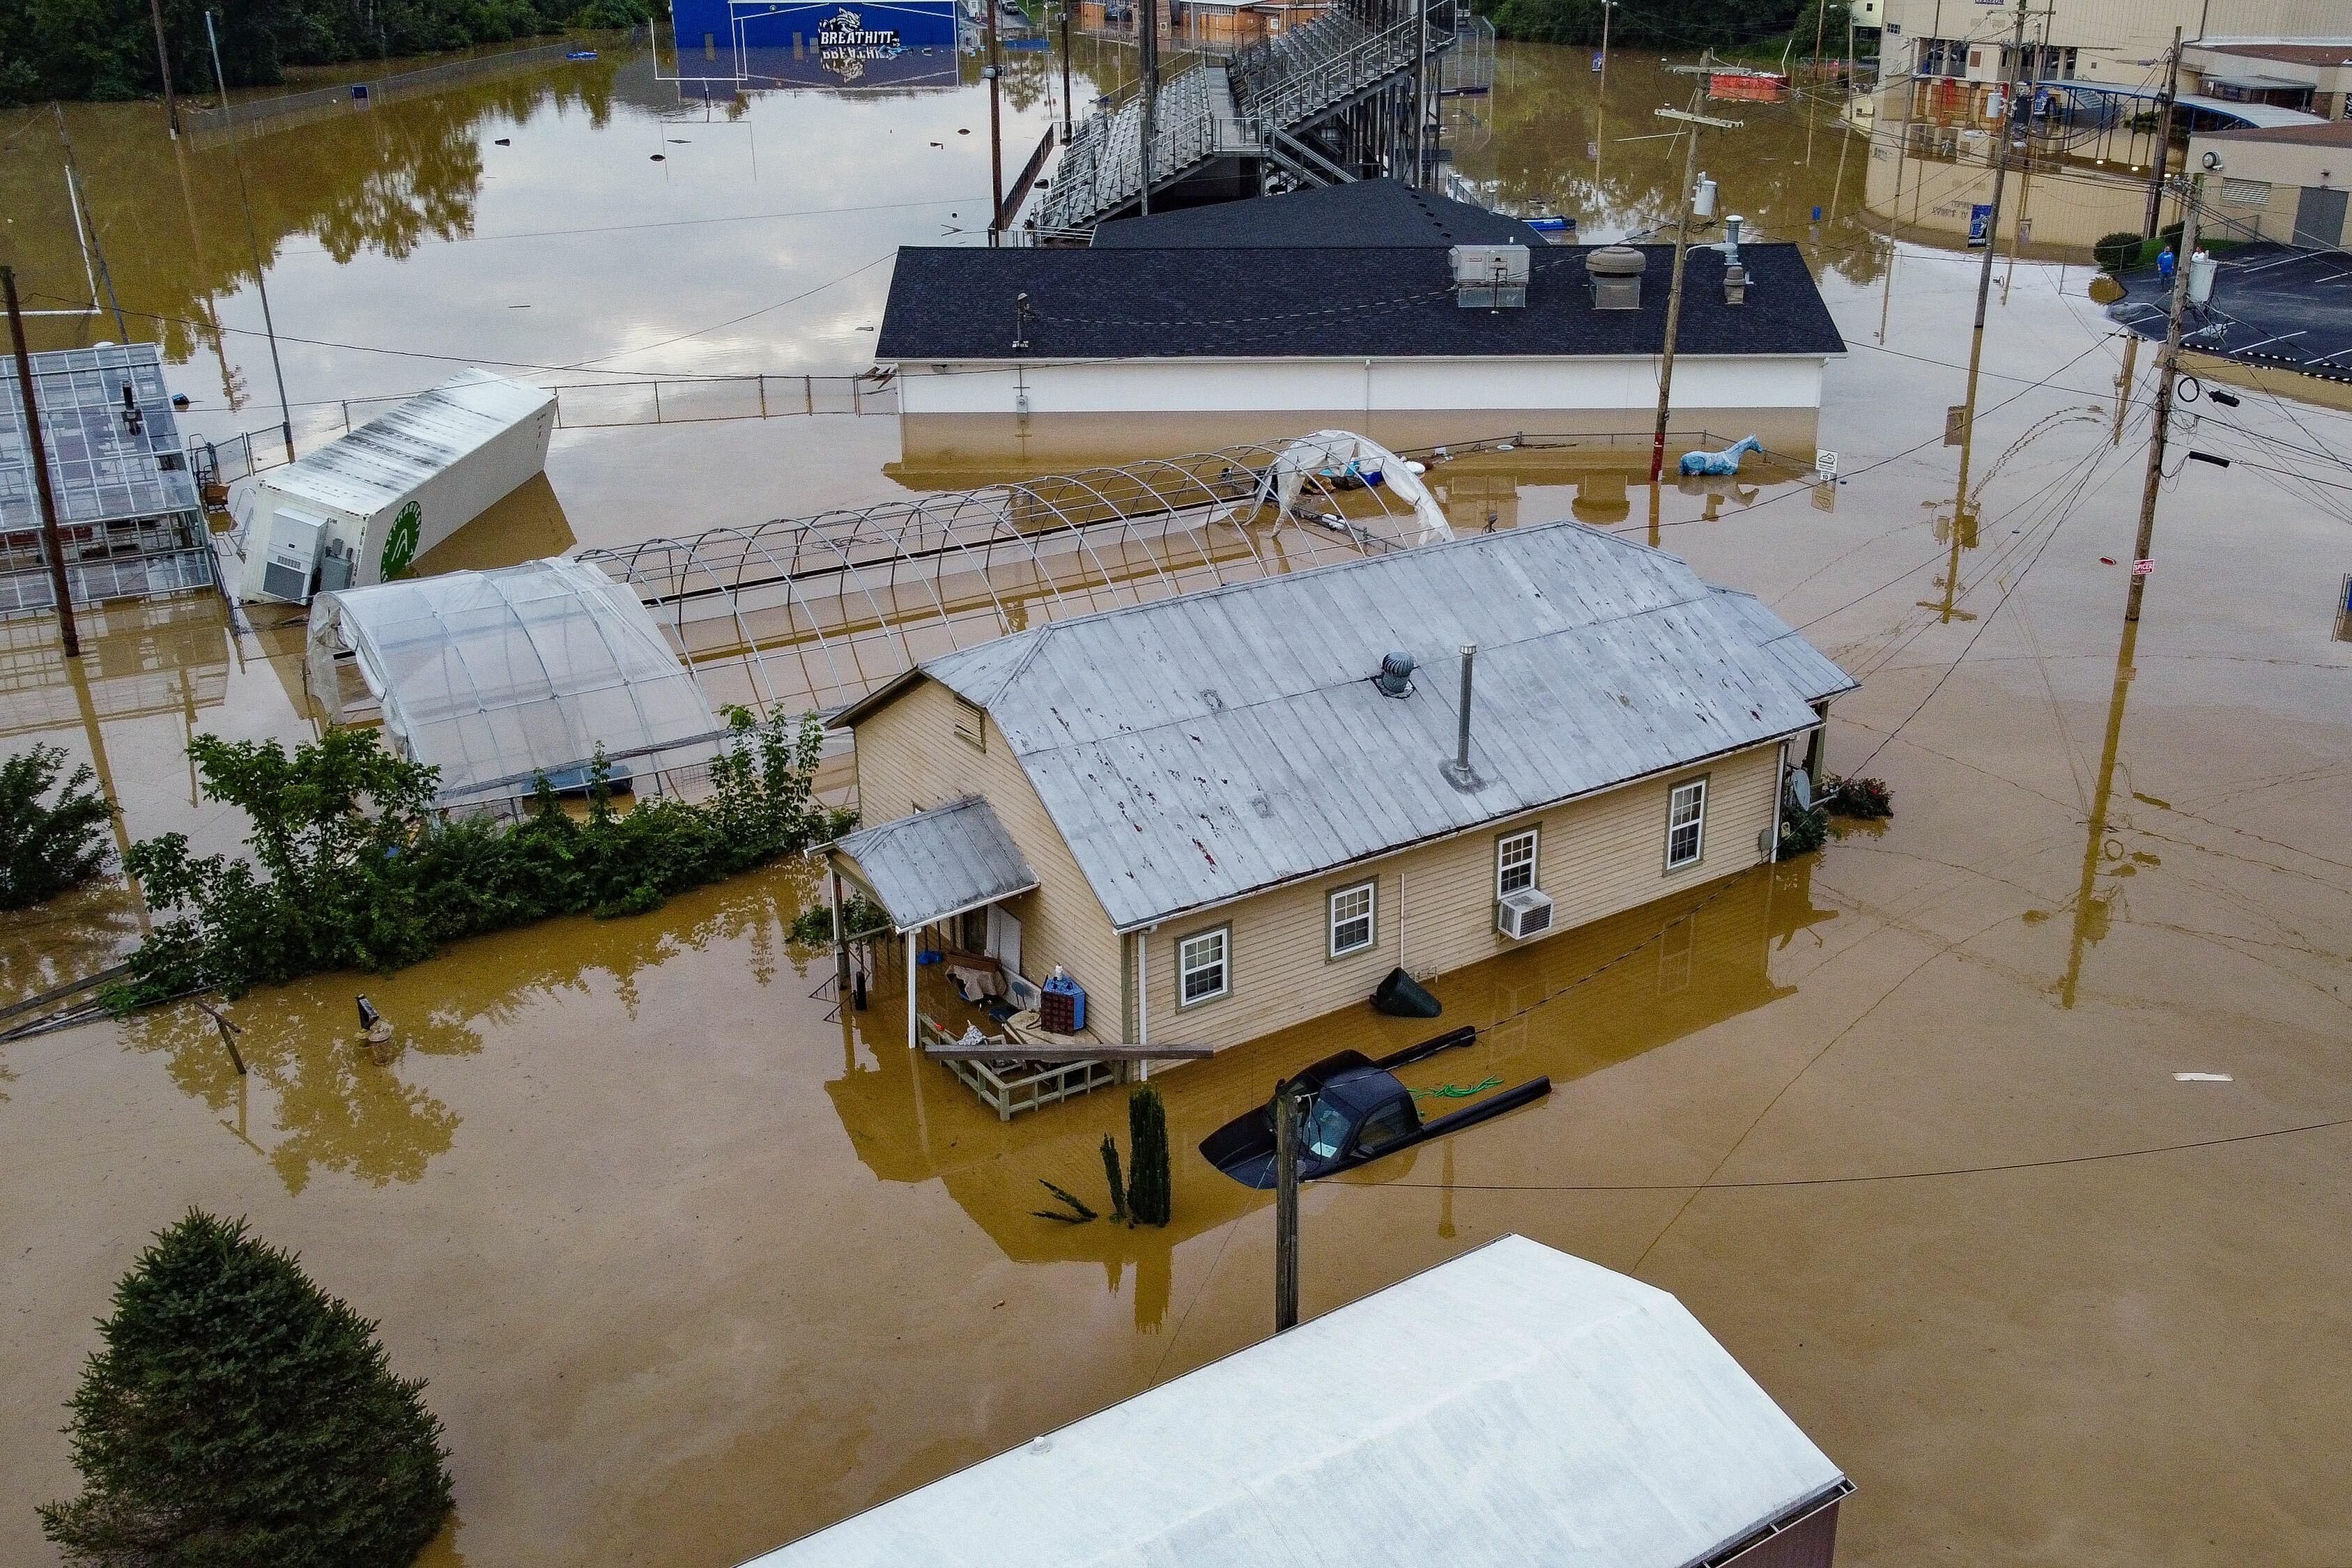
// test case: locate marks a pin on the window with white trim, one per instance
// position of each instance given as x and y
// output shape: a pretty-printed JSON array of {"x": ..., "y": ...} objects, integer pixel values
[
  {"x": 1204, "y": 967},
  {"x": 1352, "y": 912},
  {"x": 1685, "y": 823},
  {"x": 1515, "y": 862}
]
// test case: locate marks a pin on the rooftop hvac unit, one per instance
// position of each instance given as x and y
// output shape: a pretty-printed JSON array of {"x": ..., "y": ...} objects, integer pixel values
[
  {"x": 1523, "y": 913},
  {"x": 1490, "y": 277}
]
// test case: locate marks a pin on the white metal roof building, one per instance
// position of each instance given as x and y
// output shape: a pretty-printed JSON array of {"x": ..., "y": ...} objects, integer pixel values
[
  {"x": 1194, "y": 750},
  {"x": 1515, "y": 1406}
]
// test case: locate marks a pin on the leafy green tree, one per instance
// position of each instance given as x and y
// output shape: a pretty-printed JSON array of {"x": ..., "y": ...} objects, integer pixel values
[
  {"x": 239, "y": 1416},
  {"x": 350, "y": 865},
  {"x": 106, "y": 49},
  {"x": 45, "y": 848}
]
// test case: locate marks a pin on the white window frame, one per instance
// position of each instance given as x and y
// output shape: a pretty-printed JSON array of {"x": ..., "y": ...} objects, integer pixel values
[
  {"x": 1223, "y": 935},
  {"x": 1533, "y": 838},
  {"x": 1691, "y": 794},
  {"x": 1370, "y": 917}
]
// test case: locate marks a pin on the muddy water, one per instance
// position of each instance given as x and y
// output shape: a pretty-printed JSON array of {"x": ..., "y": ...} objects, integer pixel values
[{"x": 693, "y": 1266}]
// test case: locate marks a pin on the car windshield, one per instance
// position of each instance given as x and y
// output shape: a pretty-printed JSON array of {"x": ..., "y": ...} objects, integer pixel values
[{"x": 1326, "y": 1131}]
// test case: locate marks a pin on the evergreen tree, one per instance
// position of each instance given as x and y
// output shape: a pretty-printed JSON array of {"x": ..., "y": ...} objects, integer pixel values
[
  {"x": 1148, "y": 1197},
  {"x": 239, "y": 1416}
]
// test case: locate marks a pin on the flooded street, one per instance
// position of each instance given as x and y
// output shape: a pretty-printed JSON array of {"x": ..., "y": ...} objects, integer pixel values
[{"x": 693, "y": 1264}]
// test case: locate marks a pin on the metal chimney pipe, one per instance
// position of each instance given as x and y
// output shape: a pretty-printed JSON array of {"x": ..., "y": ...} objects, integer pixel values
[{"x": 1458, "y": 772}]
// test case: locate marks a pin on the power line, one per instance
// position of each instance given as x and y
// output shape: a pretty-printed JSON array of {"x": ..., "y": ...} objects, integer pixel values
[{"x": 2053, "y": 1163}]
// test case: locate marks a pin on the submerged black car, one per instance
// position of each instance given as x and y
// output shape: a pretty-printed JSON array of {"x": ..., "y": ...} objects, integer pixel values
[{"x": 1355, "y": 1111}]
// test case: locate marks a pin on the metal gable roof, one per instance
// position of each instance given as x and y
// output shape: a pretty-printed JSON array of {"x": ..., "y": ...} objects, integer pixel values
[
  {"x": 1196, "y": 749},
  {"x": 940, "y": 862},
  {"x": 1577, "y": 1417}
]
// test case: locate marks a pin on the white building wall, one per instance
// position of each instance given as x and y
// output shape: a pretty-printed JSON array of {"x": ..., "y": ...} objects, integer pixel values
[{"x": 1283, "y": 387}]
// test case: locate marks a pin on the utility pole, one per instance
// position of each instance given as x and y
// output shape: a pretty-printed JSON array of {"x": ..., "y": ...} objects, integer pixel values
[
  {"x": 1065, "y": 71},
  {"x": 260, "y": 272},
  {"x": 1285, "y": 1206},
  {"x": 1681, "y": 255},
  {"x": 1420, "y": 92},
  {"x": 52, "y": 541},
  {"x": 2163, "y": 140},
  {"x": 1984, "y": 275},
  {"x": 994, "y": 70},
  {"x": 1148, "y": 42},
  {"x": 2167, "y": 370},
  {"x": 164, "y": 64}
]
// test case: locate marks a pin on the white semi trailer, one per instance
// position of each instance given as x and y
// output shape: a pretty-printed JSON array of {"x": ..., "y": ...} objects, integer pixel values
[{"x": 359, "y": 509}]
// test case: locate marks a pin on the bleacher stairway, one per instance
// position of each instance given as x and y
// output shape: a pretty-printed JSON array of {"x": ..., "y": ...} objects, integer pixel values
[{"x": 1257, "y": 116}]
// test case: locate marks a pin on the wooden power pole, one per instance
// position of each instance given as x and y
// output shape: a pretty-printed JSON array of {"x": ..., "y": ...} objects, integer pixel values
[
  {"x": 2167, "y": 370},
  {"x": 994, "y": 71},
  {"x": 2163, "y": 140},
  {"x": 1681, "y": 255},
  {"x": 2010, "y": 78},
  {"x": 52, "y": 542},
  {"x": 164, "y": 64},
  {"x": 1285, "y": 1208}
]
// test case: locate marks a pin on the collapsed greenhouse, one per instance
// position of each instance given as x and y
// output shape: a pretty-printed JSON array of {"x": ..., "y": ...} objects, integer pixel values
[{"x": 501, "y": 676}]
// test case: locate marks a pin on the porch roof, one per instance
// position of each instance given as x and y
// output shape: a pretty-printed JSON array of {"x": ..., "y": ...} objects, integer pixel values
[{"x": 939, "y": 863}]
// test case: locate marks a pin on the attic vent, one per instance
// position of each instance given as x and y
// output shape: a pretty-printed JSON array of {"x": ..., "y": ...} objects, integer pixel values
[
  {"x": 1490, "y": 276},
  {"x": 970, "y": 724},
  {"x": 1616, "y": 271}
]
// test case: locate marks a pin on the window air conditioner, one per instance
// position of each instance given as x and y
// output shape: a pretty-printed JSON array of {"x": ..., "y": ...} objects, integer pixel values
[{"x": 1523, "y": 913}]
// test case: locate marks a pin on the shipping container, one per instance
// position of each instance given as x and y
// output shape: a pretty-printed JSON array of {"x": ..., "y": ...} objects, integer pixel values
[{"x": 364, "y": 507}]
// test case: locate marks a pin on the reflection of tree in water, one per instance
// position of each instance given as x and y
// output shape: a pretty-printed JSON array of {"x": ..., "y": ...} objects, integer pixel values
[
  {"x": 337, "y": 1111},
  {"x": 385, "y": 180}
]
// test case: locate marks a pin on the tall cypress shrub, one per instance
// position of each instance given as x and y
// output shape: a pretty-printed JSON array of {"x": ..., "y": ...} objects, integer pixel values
[
  {"x": 1147, "y": 1149},
  {"x": 238, "y": 1414}
]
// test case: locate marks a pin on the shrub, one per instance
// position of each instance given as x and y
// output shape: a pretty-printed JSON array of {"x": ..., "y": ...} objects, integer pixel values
[
  {"x": 1147, "y": 1199},
  {"x": 860, "y": 916},
  {"x": 44, "y": 849},
  {"x": 604, "y": 14},
  {"x": 239, "y": 1414},
  {"x": 352, "y": 868},
  {"x": 1803, "y": 832},
  {"x": 2117, "y": 251},
  {"x": 1857, "y": 797}
]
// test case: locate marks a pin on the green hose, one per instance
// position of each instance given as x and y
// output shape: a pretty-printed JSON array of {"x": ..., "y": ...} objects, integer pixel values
[{"x": 1455, "y": 1091}]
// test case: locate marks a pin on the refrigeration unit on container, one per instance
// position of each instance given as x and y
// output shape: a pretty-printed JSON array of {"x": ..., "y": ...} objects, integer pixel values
[{"x": 361, "y": 509}]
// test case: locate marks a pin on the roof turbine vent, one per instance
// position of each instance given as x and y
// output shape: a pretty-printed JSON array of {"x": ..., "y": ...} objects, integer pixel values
[{"x": 1396, "y": 678}]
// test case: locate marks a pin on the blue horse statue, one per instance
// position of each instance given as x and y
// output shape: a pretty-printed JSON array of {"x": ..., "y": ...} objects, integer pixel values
[{"x": 1724, "y": 462}]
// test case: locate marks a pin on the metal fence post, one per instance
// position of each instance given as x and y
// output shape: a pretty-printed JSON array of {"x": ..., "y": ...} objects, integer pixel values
[{"x": 657, "y": 418}]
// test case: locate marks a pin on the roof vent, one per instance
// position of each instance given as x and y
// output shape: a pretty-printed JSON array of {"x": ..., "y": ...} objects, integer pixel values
[
  {"x": 1616, "y": 271},
  {"x": 1396, "y": 678},
  {"x": 1490, "y": 276}
]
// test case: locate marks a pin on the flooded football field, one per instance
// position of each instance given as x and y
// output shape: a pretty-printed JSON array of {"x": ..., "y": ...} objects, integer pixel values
[{"x": 695, "y": 1263}]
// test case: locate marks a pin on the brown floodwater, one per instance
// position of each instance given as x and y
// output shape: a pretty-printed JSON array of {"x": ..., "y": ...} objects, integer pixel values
[{"x": 694, "y": 1263}]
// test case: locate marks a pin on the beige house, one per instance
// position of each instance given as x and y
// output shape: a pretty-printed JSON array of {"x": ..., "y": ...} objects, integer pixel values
[
  {"x": 1232, "y": 811},
  {"x": 2287, "y": 184}
]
